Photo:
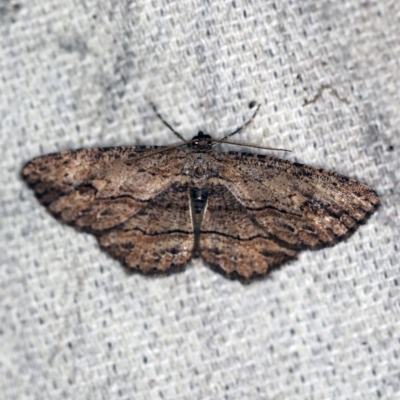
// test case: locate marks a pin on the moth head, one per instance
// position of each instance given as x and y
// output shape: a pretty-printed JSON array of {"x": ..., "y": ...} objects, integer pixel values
[{"x": 201, "y": 142}]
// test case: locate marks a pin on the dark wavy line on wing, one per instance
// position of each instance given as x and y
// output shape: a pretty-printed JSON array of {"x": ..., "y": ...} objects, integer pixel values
[
  {"x": 269, "y": 236},
  {"x": 169, "y": 232}
]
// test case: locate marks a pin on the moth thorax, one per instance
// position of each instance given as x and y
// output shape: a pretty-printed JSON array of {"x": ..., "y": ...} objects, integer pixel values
[{"x": 200, "y": 168}]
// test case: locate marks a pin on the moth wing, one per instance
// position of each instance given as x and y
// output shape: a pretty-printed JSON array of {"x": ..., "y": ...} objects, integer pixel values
[
  {"x": 232, "y": 241},
  {"x": 290, "y": 206},
  {"x": 131, "y": 205}
]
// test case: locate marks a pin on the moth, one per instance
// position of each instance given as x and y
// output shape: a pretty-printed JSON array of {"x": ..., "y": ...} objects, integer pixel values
[{"x": 155, "y": 208}]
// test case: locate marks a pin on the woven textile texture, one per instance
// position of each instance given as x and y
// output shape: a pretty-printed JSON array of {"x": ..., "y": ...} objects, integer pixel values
[{"x": 74, "y": 324}]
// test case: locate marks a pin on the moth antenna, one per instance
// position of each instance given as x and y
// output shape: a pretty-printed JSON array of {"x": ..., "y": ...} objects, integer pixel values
[
  {"x": 244, "y": 125},
  {"x": 162, "y": 150},
  {"x": 244, "y": 144},
  {"x": 165, "y": 122}
]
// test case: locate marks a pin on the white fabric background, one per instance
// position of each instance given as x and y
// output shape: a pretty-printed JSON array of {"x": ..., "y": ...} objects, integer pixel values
[{"x": 75, "y": 73}]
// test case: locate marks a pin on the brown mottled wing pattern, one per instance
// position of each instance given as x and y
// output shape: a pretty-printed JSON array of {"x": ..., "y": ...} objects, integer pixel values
[
  {"x": 138, "y": 210},
  {"x": 262, "y": 211}
]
